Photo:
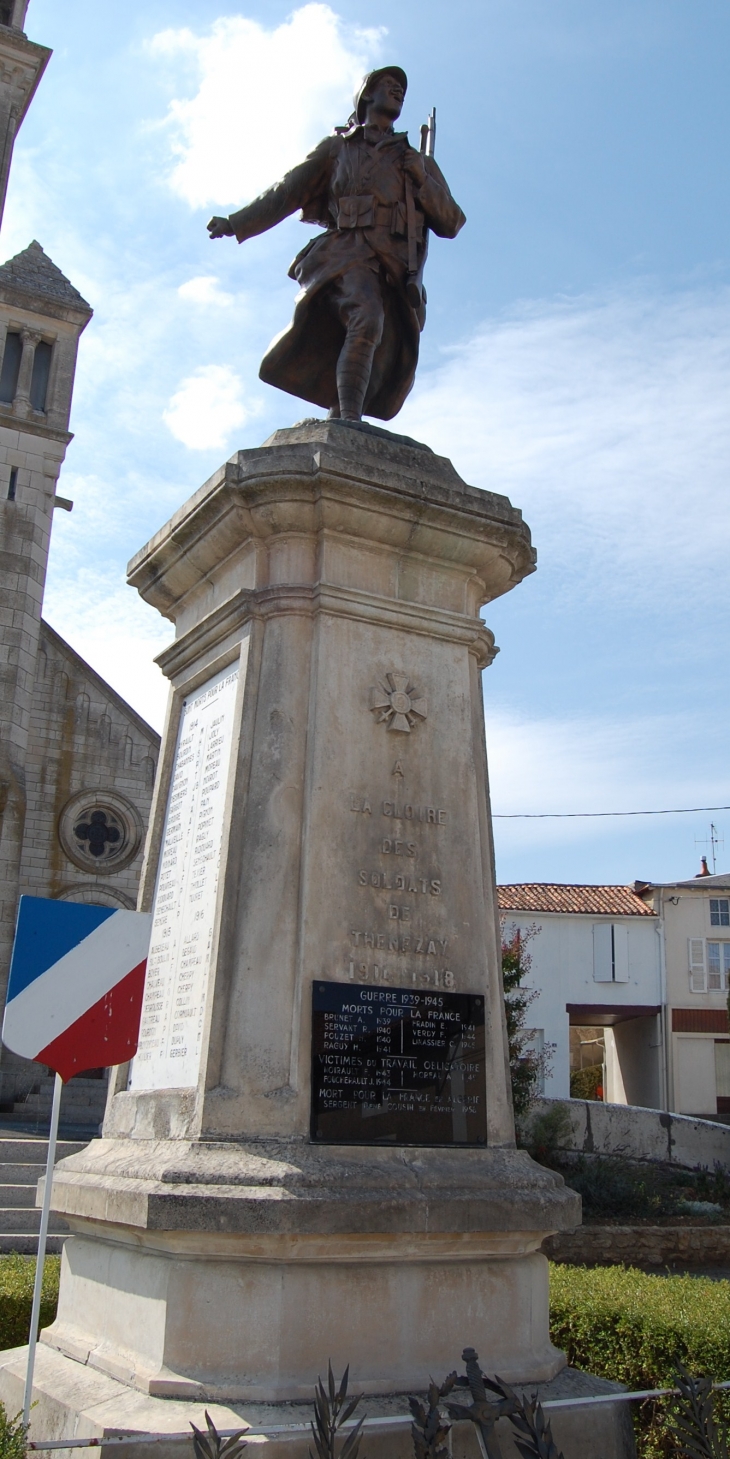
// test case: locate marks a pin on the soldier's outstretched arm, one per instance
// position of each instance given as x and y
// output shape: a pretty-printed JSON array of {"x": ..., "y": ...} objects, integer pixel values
[
  {"x": 279, "y": 201},
  {"x": 443, "y": 214}
]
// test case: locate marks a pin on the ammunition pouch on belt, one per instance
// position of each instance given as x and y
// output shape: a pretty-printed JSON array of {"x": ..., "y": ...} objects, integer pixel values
[{"x": 364, "y": 212}]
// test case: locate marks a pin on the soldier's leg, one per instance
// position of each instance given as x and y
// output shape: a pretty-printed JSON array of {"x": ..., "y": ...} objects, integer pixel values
[{"x": 359, "y": 303}]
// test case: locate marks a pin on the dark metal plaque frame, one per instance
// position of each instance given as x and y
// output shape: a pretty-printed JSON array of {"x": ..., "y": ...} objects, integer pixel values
[{"x": 397, "y": 1066}]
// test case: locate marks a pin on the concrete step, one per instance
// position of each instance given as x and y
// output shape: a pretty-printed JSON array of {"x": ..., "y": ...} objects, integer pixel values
[
  {"x": 43, "y": 1106},
  {"x": 26, "y": 1244},
  {"x": 12, "y": 1173},
  {"x": 16, "y": 1218},
  {"x": 20, "y": 1243},
  {"x": 17, "y": 1195},
  {"x": 23, "y": 1149}
]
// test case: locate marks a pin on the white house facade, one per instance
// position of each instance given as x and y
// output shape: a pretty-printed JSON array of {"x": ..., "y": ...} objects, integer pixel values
[
  {"x": 694, "y": 916},
  {"x": 596, "y": 965}
]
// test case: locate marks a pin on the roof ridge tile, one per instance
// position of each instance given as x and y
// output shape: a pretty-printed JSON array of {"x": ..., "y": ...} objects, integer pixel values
[{"x": 579, "y": 898}]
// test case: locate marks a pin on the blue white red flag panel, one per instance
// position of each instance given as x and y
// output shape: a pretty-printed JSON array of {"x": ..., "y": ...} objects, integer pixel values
[{"x": 76, "y": 984}]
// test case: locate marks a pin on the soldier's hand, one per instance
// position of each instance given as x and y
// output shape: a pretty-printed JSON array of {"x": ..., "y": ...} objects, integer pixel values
[
  {"x": 220, "y": 228},
  {"x": 415, "y": 167}
]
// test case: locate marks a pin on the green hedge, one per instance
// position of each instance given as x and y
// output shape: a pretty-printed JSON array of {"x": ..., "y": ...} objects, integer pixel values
[
  {"x": 17, "y": 1274},
  {"x": 622, "y": 1324}
]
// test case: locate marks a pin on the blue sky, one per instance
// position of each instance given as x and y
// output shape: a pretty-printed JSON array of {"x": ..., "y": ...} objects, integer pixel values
[{"x": 576, "y": 356}]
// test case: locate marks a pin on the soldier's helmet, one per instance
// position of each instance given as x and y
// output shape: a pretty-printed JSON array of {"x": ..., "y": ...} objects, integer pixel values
[{"x": 364, "y": 90}]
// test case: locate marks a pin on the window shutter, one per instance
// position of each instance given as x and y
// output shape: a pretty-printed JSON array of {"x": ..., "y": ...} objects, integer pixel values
[
  {"x": 697, "y": 974},
  {"x": 602, "y": 953},
  {"x": 620, "y": 953}
]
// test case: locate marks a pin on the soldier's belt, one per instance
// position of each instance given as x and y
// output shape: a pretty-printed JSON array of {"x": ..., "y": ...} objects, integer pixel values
[{"x": 364, "y": 212}]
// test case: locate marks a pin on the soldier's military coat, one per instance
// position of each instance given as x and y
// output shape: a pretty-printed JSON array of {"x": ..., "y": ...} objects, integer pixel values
[{"x": 355, "y": 189}]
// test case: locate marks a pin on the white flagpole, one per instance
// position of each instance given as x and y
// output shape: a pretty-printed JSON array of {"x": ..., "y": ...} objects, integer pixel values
[{"x": 41, "y": 1258}]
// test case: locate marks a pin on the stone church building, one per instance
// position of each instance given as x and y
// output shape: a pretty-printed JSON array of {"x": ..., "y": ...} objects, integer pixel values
[{"x": 77, "y": 763}]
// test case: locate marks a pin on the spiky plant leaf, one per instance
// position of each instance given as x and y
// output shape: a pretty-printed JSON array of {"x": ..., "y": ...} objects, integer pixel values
[
  {"x": 694, "y": 1421},
  {"x": 212, "y": 1446}
]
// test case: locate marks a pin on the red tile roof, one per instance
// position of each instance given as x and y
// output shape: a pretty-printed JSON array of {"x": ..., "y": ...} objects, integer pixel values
[{"x": 551, "y": 897}]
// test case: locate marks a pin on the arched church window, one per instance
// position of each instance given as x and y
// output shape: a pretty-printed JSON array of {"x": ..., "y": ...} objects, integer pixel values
[
  {"x": 41, "y": 372},
  {"x": 10, "y": 367}
]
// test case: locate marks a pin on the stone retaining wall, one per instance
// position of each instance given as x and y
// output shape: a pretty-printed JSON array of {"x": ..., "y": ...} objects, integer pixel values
[
  {"x": 659, "y": 1246},
  {"x": 641, "y": 1134}
]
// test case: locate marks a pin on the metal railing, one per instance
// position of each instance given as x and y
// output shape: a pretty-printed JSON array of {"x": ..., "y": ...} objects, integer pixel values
[{"x": 397, "y": 1421}]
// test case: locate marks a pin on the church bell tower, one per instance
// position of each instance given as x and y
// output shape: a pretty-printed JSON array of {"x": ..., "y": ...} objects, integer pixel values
[
  {"x": 41, "y": 318},
  {"x": 22, "y": 64},
  {"x": 72, "y": 752}
]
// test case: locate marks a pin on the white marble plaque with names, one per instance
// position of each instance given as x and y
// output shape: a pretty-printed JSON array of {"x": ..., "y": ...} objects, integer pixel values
[{"x": 183, "y": 916}]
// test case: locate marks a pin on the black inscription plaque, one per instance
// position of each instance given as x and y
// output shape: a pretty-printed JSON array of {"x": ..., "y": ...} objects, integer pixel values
[{"x": 397, "y": 1066}]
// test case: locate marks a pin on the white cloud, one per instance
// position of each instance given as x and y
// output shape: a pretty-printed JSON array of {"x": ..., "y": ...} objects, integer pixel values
[
  {"x": 204, "y": 289},
  {"x": 607, "y": 421},
  {"x": 265, "y": 97},
  {"x": 207, "y": 407}
]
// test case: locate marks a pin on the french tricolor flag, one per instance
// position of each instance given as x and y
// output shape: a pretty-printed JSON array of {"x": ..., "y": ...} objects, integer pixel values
[{"x": 76, "y": 984}]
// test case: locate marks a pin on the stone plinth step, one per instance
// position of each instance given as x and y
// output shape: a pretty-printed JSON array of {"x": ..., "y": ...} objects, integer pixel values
[{"x": 73, "y": 1398}]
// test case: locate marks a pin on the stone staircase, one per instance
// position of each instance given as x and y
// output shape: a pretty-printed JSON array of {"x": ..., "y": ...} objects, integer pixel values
[
  {"x": 82, "y": 1108},
  {"x": 22, "y": 1163}
]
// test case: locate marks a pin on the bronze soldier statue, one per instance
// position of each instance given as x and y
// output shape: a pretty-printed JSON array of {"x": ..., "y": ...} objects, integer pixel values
[{"x": 352, "y": 345}]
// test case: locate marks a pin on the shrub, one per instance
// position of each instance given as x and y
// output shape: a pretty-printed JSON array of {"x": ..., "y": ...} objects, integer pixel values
[
  {"x": 13, "y": 1434},
  {"x": 587, "y": 1083},
  {"x": 17, "y": 1275},
  {"x": 547, "y": 1133},
  {"x": 612, "y": 1186},
  {"x": 527, "y": 1066},
  {"x": 622, "y": 1324}
]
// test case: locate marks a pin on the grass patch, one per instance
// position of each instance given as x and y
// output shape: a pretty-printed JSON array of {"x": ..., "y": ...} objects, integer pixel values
[
  {"x": 17, "y": 1275},
  {"x": 622, "y": 1324}
]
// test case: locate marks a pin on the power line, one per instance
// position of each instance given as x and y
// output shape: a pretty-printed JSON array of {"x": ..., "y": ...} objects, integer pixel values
[{"x": 594, "y": 815}]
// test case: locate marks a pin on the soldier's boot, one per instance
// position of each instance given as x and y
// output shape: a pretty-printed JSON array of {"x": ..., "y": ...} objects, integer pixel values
[{"x": 354, "y": 368}]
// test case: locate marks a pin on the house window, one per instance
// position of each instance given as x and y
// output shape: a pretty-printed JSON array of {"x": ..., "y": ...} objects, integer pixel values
[
  {"x": 41, "y": 372},
  {"x": 610, "y": 953},
  {"x": 10, "y": 367},
  {"x": 709, "y": 966},
  {"x": 719, "y": 911},
  {"x": 718, "y": 966}
]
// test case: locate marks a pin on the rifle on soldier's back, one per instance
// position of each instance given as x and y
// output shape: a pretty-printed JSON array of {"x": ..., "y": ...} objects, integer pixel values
[{"x": 415, "y": 292}]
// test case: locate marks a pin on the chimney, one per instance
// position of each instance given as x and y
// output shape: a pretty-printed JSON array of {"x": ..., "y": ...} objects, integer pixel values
[{"x": 704, "y": 868}]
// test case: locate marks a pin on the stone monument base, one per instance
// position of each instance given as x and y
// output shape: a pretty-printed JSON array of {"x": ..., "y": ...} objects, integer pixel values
[
  {"x": 74, "y": 1401},
  {"x": 231, "y": 1272}
]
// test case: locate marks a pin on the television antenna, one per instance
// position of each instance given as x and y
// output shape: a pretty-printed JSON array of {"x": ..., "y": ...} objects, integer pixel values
[{"x": 712, "y": 842}]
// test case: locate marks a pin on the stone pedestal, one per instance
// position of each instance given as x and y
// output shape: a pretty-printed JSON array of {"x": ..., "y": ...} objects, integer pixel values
[{"x": 328, "y": 822}]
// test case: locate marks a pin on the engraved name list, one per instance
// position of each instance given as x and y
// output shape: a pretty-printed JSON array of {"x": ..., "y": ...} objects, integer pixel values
[{"x": 183, "y": 918}]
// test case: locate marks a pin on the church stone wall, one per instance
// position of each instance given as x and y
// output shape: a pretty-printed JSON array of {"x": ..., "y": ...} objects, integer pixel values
[
  {"x": 88, "y": 752},
  {"x": 88, "y": 755},
  {"x": 32, "y": 462}
]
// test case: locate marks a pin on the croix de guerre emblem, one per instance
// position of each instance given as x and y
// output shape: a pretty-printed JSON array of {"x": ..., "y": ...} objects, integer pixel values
[{"x": 396, "y": 702}]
